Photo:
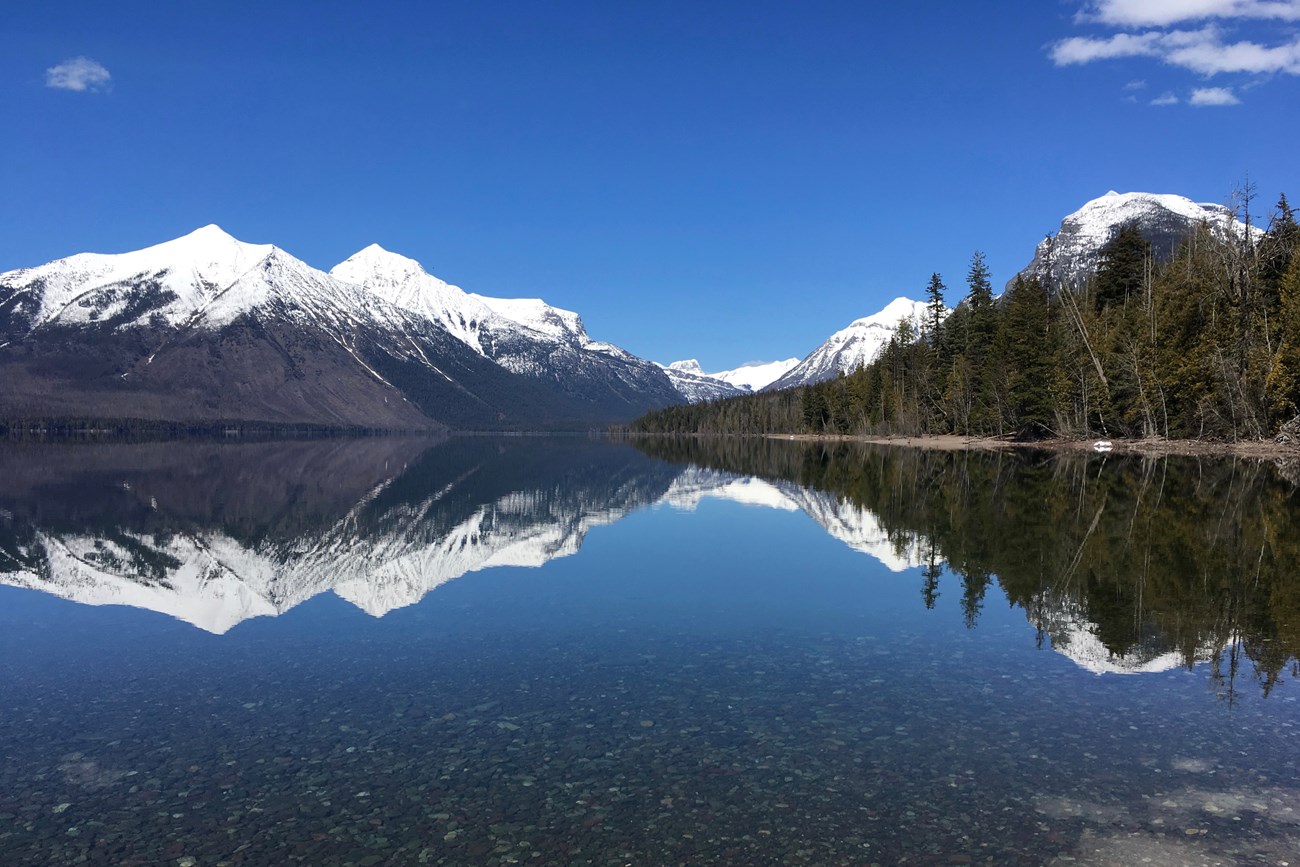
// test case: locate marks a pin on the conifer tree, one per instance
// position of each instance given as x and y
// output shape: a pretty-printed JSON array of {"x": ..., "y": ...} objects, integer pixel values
[
  {"x": 1125, "y": 262},
  {"x": 1030, "y": 358},
  {"x": 1283, "y": 383},
  {"x": 934, "y": 308}
]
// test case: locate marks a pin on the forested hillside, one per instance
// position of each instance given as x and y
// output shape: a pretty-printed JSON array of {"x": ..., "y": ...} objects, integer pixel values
[{"x": 1203, "y": 345}]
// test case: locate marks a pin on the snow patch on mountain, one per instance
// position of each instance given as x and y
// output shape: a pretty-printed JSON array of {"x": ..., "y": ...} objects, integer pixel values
[
  {"x": 695, "y": 385},
  {"x": 1070, "y": 256},
  {"x": 855, "y": 346},
  {"x": 755, "y": 375},
  {"x": 404, "y": 282},
  {"x": 197, "y": 270}
]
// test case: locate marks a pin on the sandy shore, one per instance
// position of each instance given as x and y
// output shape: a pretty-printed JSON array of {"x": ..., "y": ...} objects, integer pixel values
[{"x": 1264, "y": 450}]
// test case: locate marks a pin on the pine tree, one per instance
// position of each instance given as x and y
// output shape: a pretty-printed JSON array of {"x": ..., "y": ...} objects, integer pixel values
[
  {"x": 1031, "y": 371},
  {"x": 934, "y": 308},
  {"x": 1124, "y": 267},
  {"x": 977, "y": 278},
  {"x": 1283, "y": 383}
]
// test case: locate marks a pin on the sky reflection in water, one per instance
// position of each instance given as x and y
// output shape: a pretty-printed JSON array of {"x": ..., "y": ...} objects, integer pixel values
[{"x": 727, "y": 656}]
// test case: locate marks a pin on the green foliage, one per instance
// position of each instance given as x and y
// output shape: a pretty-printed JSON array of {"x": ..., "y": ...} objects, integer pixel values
[
  {"x": 1125, "y": 264},
  {"x": 1206, "y": 345}
]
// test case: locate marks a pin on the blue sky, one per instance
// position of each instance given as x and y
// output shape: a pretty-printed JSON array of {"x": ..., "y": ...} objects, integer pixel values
[{"x": 727, "y": 181}]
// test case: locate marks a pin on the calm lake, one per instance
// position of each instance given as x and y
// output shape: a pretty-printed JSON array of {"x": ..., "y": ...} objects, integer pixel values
[{"x": 557, "y": 650}]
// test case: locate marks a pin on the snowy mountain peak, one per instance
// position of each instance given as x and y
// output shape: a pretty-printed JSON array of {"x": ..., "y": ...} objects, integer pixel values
[
  {"x": 207, "y": 245},
  {"x": 898, "y": 309},
  {"x": 1165, "y": 220},
  {"x": 689, "y": 365},
  {"x": 375, "y": 265},
  {"x": 850, "y": 348},
  {"x": 536, "y": 314},
  {"x": 374, "y": 261},
  {"x": 696, "y": 385},
  {"x": 184, "y": 274}
]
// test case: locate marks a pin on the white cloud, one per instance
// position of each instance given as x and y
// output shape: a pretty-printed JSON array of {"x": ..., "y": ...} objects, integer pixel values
[
  {"x": 79, "y": 74},
  {"x": 1213, "y": 96},
  {"x": 1136, "y": 84},
  {"x": 1163, "y": 13},
  {"x": 1201, "y": 51},
  {"x": 1081, "y": 49},
  {"x": 1166, "y": 98},
  {"x": 1212, "y": 57}
]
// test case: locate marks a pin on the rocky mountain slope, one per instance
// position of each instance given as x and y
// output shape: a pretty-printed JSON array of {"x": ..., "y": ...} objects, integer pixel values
[
  {"x": 1073, "y": 253},
  {"x": 206, "y": 328},
  {"x": 526, "y": 336}
]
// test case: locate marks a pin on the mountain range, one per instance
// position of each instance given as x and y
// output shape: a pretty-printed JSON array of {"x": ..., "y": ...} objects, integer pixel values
[{"x": 207, "y": 330}]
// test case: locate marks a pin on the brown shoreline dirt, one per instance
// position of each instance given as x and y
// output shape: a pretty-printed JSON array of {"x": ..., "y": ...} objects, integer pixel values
[{"x": 1260, "y": 450}]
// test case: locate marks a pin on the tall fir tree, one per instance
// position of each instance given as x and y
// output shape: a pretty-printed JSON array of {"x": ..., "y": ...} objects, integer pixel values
[
  {"x": 1124, "y": 267},
  {"x": 934, "y": 308}
]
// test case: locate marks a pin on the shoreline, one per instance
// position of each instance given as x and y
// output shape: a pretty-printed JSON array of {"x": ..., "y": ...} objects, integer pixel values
[{"x": 1262, "y": 450}]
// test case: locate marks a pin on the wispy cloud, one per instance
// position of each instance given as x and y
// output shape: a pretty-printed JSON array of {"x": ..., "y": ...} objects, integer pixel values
[
  {"x": 1136, "y": 84},
  {"x": 1213, "y": 96},
  {"x": 1166, "y": 98},
  {"x": 80, "y": 74},
  {"x": 1201, "y": 51},
  {"x": 1147, "y": 29},
  {"x": 1163, "y": 13}
]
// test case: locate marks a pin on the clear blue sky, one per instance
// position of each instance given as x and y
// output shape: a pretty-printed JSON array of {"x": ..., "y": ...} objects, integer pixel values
[{"x": 724, "y": 180}]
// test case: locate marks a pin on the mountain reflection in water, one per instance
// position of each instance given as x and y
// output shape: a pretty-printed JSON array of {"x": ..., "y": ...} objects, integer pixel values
[
  {"x": 698, "y": 674},
  {"x": 1125, "y": 565},
  {"x": 1122, "y": 564}
]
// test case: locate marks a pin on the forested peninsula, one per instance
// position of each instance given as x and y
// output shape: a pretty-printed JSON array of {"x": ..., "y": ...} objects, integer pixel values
[{"x": 1203, "y": 346}]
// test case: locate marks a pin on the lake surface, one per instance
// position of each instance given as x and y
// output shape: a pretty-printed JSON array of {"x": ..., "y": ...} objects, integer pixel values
[{"x": 571, "y": 651}]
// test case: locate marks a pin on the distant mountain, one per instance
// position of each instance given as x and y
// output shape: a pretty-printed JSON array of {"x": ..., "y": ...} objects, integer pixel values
[
  {"x": 1163, "y": 220},
  {"x": 850, "y": 348},
  {"x": 756, "y": 375},
  {"x": 206, "y": 328},
  {"x": 696, "y": 385}
]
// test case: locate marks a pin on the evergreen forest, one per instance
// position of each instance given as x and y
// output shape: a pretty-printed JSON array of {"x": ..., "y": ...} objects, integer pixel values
[{"x": 1205, "y": 345}]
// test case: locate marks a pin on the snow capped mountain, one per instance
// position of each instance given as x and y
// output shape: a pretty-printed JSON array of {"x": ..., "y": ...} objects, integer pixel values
[
  {"x": 404, "y": 283},
  {"x": 695, "y": 385},
  {"x": 756, "y": 375},
  {"x": 208, "y": 328},
  {"x": 1164, "y": 220},
  {"x": 194, "y": 270},
  {"x": 526, "y": 336},
  {"x": 850, "y": 348}
]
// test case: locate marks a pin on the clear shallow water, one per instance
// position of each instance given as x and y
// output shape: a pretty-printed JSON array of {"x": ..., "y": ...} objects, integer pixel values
[{"x": 561, "y": 651}]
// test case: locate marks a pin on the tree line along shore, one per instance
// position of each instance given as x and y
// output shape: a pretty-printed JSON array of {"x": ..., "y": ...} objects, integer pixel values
[{"x": 1202, "y": 347}]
